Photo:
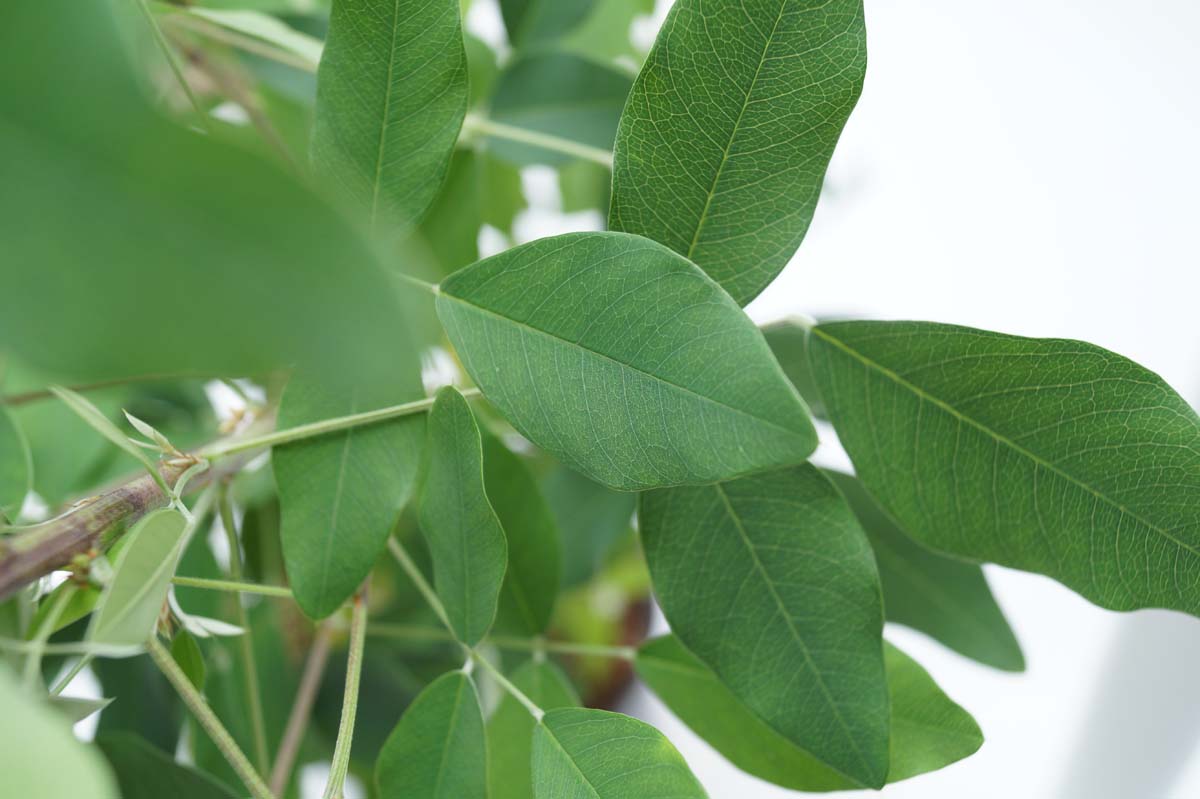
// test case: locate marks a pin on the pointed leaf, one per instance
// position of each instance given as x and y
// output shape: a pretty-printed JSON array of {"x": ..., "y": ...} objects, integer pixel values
[
  {"x": 465, "y": 538},
  {"x": 593, "y": 754},
  {"x": 75, "y": 709},
  {"x": 186, "y": 652},
  {"x": 928, "y": 730},
  {"x": 438, "y": 750},
  {"x": 391, "y": 96},
  {"x": 16, "y": 466},
  {"x": 510, "y": 728},
  {"x": 146, "y": 772},
  {"x": 101, "y": 424},
  {"x": 262, "y": 26},
  {"x": 1047, "y": 455},
  {"x": 771, "y": 582},
  {"x": 730, "y": 126},
  {"x": 534, "y": 22},
  {"x": 625, "y": 361}
]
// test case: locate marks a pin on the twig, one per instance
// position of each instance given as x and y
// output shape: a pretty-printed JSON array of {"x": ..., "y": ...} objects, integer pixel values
[{"x": 306, "y": 694}]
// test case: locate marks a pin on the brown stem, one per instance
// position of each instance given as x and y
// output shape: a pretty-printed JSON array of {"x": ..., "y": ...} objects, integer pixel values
[{"x": 306, "y": 695}]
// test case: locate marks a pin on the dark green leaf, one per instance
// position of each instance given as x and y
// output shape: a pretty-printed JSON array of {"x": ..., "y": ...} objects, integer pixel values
[
  {"x": 438, "y": 750},
  {"x": 465, "y": 538},
  {"x": 16, "y": 466},
  {"x": 771, "y": 582},
  {"x": 789, "y": 342},
  {"x": 625, "y": 361},
  {"x": 391, "y": 96},
  {"x": 146, "y": 772},
  {"x": 186, "y": 652},
  {"x": 729, "y": 129},
  {"x": 143, "y": 701},
  {"x": 591, "y": 518},
  {"x": 510, "y": 728},
  {"x": 593, "y": 754},
  {"x": 1047, "y": 455},
  {"x": 534, "y": 22},
  {"x": 928, "y": 730},
  {"x": 945, "y": 597}
]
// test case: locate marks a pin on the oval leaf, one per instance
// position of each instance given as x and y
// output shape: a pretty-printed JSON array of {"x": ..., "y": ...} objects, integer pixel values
[
  {"x": 16, "y": 466},
  {"x": 580, "y": 753},
  {"x": 1046, "y": 455},
  {"x": 438, "y": 750},
  {"x": 729, "y": 129},
  {"x": 465, "y": 538},
  {"x": 510, "y": 728},
  {"x": 771, "y": 582},
  {"x": 625, "y": 361}
]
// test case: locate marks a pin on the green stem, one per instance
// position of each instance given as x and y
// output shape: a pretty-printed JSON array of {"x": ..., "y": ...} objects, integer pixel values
[
  {"x": 341, "y": 750},
  {"x": 324, "y": 426},
  {"x": 414, "y": 574},
  {"x": 406, "y": 632},
  {"x": 545, "y": 141},
  {"x": 79, "y": 666},
  {"x": 232, "y": 585},
  {"x": 33, "y": 661},
  {"x": 504, "y": 683},
  {"x": 208, "y": 720},
  {"x": 167, "y": 54}
]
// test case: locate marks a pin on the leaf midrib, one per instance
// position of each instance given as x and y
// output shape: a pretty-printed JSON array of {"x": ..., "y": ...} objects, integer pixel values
[
  {"x": 571, "y": 760},
  {"x": 384, "y": 121}
]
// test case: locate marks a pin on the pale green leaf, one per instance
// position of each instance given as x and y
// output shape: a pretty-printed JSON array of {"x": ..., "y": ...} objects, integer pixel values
[
  {"x": 130, "y": 604},
  {"x": 75, "y": 709},
  {"x": 391, "y": 96},
  {"x": 625, "y": 361},
  {"x": 146, "y": 772},
  {"x": 101, "y": 424},
  {"x": 770, "y": 581},
  {"x": 607, "y": 33},
  {"x": 465, "y": 538},
  {"x": 538, "y": 22},
  {"x": 928, "y": 730},
  {"x": 730, "y": 127},
  {"x": 510, "y": 728},
  {"x": 186, "y": 652},
  {"x": 1046, "y": 455},
  {"x": 82, "y": 601},
  {"x": 944, "y": 597},
  {"x": 438, "y": 749},
  {"x": 16, "y": 466},
  {"x": 261, "y": 26},
  {"x": 593, "y": 754}
]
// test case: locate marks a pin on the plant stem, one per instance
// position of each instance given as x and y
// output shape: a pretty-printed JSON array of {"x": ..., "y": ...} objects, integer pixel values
[
  {"x": 249, "y": 662},
  {"x": 546, "y": 141},
  {"x": 231, "y": 585},
  {"x": 165, "y": 47},
  {"x": 414, "y": 633},
  {"x": 341, "y": 750},
  {"x": 414, "y": 574},
  {"x": 208, "y": 720},
  {"x": 79, "y": 666},
  {"x": 322, "y": 427},
  {"x": 33, "y": 661},
  {"x": 306, "y": 694},
  {"x": 504, "y": 682}
]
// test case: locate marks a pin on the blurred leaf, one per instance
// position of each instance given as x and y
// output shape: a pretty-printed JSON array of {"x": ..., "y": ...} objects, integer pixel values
[
  {"x": 574, "y": 375},
  {"x": 143, "y": 701},
  {"x": 186, "y": 652},
  {"x": 944, "y": 597},
  {"x": 591, "y": 518},
  {"x": 76, "y": 709},
  {"x": 537, "y": 22},
  {"x": 16, "y": 466},
  {"x": 789, "y": 342},
  {"x": 510, "y": 728},
  {"x": 146, "y": 772},
  {"x": 39, "y": 757},
  {"x": 770, "y": 581},
  {"x": 585, "y": 186},
  {"x": 258, "y": 25},
  {"x": 391, "y": 95},
  {"x": 465, "y": 538},
  {"x": 101, "y": 424},
  {"x": 729, "y": 130},
  {"x": 482, "y": 68},
  {"x": 607, "y": 33},
  {"x": 593, "y": 754},
  {"x": 438, "y": 749},
  {"x": 82, "y": 602}
]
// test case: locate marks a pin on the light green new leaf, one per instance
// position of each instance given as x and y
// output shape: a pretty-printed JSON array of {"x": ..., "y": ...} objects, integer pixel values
[
  {"x": 928, "y": 730},
  {"x": 1046, "y": 455},
  {"x": 129, "y": 607},
  {"x": 341, "y": 494},
  {"x": 534, "y": 548},
  {"x": 39, "y": 757},
  {"x": 539, "y": 22},
  {"x": 729, "y": 129},
  {"x": 944, "y": 597},
  {"x": 438, "y": 749},
  {"x": 465, "y": 538},
  {"x": 625, "y": 361},
  {"x": 770, "y": 581},
  {"x": 391, "y": 96},
  {"x": 16, "y": 466},
  {"x": 562, "y": 95},
  {"x": 580, "y": 753},
  {"x": 510, "y": 728},
  {"x": 102, "y": 425},
  {"x": 145, "y": 772}
]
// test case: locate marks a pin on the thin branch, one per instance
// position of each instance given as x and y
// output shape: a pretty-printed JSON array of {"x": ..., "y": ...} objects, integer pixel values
[
  {"x": 546, "y": 141},
  {"x": 165, "y": 47},
  {"x": 13, "y": 400},
  {"x": 345, "y": 737},
  {"x": 410, "y": 568},
  {"x": 306, "y": 695},
  {"x": 504, "y": 683},
  {"x": 406, "y": 632},
  {"x": 230, "y": 585}
]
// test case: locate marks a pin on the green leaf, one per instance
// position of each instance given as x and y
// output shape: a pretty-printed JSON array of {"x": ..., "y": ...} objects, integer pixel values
[
  {"x": 1046, "y": 455},
  {"x": 623, "y": 360},
  {"x": 534, "y": 548},
  {"x": 510, "y": 728},
  {"x": 465, "y": 538},
  {"x": 259, "y": 25},
  {"x": 607, "y": 33},
  {"x": 82, "y": 602},
  {"x": 16, "y": 466},
  {"x": 580, "y": 753},
  {"x": 186, "y": 652},
  {"x": 75, "y": 709},
  {"x": 944, "y": 597},
  {"x": 928, "y": 730},
  {"x": 391, "y": 96},
  {"x": 341, "y": 494},
  {"x": 562, "y": 95},
  {"x": 789, "y": 342},
  {"x": 101, "y": 424},
  {"x": 143, "y": 702},
  {"x": 129, "y": 607},
  {"x": 729, "y": 129},
  {"x": 146, "y": 772},
  {"x": 771, "y": 582},
  {"x": 591, "y": 518},
  {"x": 38, "y": 754},
  {"x": 537, "y": 22},
  {"x": 438, "y": 750}
]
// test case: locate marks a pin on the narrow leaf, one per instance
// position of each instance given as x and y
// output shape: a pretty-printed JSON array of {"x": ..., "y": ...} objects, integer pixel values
[
  {"x": 391, "y": 96},
  {"x": 771, "y": 582},
  {"x": 261, "y": 26},
  {"x": 438, "y": 750},
  {"x": 730, "y": 126},
  {"x": 146, "y": 772},
  {"x": 510, "y": 728},
  {"x": 75, "y": 709},
  {"x": 535, "y": 22},
  {"x": 186, "y": 652},
  {"x": 16, "y": 466},
  {"x": 593, "y": 754},
  {"x": 1047, "y": 455},
  {"x": 465, "y": 538},
  {"x": 625, "y": 361},
  {"x": 101, "y": 424}
]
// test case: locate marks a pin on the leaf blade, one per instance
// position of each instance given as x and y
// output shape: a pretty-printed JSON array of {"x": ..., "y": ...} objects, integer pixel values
[
  {"x": 510, "y": 728},
  {"x": 16, "y": 466}
]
